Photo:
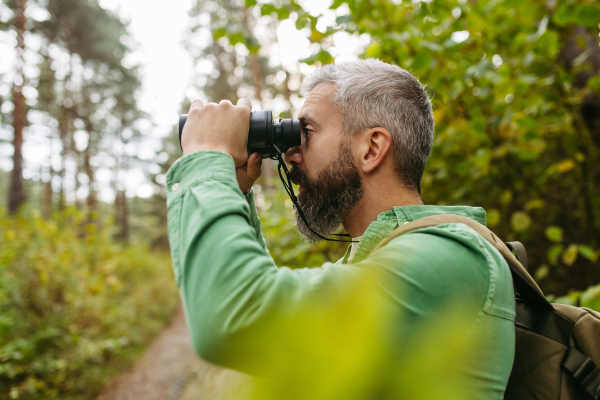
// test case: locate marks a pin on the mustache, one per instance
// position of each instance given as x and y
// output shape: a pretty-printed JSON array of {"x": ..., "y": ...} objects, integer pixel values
[{"x": 299, "y": 177}]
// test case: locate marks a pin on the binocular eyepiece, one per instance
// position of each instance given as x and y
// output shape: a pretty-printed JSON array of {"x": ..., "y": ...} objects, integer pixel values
[{"x": 263, "y": 133}]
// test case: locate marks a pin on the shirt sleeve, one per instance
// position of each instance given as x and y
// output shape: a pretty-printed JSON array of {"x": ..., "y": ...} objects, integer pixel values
[
  {"x": 229, "y": 284},
  {"x": 254, "y": 219}
]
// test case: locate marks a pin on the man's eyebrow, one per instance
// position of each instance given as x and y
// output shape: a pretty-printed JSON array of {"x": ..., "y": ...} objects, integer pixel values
[{"x": 306, "y": 120}]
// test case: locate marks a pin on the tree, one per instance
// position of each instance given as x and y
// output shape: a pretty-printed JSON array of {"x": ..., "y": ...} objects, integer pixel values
[
  {"x": 82, "y": 86},
  {"x": 16, "y": 194},
  {"x": 515, "y": 91}
]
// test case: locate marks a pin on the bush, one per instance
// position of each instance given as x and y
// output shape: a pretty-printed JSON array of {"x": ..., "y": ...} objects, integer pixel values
[{"x": 74, "y": 305}]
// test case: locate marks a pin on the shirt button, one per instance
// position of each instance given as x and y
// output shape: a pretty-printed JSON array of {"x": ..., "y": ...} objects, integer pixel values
[{"x": 174, "y": 187}]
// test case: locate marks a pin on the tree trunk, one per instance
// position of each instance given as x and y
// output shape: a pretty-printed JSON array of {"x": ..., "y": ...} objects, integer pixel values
[
  {"x": 16, "y": 193},
  {"x": 89, "y": 171},
  {"x": 121, "y": 211},
  {"x": 63, "y": 131},
  {"x": 48, "y": 196},
  {"x": 87, "y": 155},
  {"x": 63, "y": 124},
  {"x": 122, "y": 216},
  {"x": 77, "y": 158}
]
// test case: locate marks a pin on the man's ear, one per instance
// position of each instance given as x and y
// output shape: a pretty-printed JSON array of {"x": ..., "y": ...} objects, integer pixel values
[{"x": 375, "y": 144}]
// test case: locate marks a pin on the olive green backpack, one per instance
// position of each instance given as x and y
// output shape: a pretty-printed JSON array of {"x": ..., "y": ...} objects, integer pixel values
[{"x": 557, "y": 351}]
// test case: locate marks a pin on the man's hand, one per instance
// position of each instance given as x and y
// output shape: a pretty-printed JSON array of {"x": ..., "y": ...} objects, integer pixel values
[
  {"x": 220, "y": 126},
  {"x": 249, "y": 172}
]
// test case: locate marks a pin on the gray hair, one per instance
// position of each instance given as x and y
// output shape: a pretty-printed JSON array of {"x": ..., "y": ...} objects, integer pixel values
[{"x": 369, "y": 94}]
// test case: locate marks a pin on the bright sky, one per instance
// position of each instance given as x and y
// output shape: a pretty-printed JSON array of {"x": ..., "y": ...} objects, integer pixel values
[
  {"x": 158, "y": 28},
  {"x": 166, "y": 67}
]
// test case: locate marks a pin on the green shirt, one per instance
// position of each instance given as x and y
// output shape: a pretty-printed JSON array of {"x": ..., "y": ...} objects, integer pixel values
[{"x": 230, "y": 285}]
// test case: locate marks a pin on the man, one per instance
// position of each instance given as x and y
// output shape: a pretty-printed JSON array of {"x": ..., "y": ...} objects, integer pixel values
[{"x": 367, "y": 131}]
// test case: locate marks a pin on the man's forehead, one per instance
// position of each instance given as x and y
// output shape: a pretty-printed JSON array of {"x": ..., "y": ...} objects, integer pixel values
[{"x": 318, "y": 103}]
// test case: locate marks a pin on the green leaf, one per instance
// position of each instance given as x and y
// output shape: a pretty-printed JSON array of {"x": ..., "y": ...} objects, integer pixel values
[
  {"x": 572, "y": 299},
  {"x": 554, "y": 253},
  {"x": 324, "y": 57},
  {"x": 587, "y": 15},
  {"x": 562, "y": 167},
  {"x": 534, "y": 204},
  {"x": 587, "y": 252},
  {"x": 520, "y": 221},
  {"x": 541, "y": 272},
  {"x": 316, "y": 36},
  {"x": 267, "y": 9},
  {"x": 343, "y": 19},
  {"x": 492, "y": 218},
  {"x": 252, "y": 44},
  {"x": 422, "y": 60},
  {"x": 301, "y": 23},
  {"x": 374, "y": 50},
  {"x": 337, "y": 3},
  {"x": 456, "y": 89},
  {"x": 570, "y": 255},
  {"x": 236, "y": 37},
  {"x": 554, "y": 234},
  {"x": 283, "y": 13},
  {"x": 250, "y": 3},
  {"x": 528, "y": 79},
  {"x": 549, "y": 44},
  {"x": 590, "y": 298},
  {"x": 506, "y": 197},
  {"x": 527, "y": 123},
  {"x": 563, "y": 15},
  {"x": 594, "y": 83},
  {"x": 431, "y": 45},
  {"x": 219, "y": 33}
]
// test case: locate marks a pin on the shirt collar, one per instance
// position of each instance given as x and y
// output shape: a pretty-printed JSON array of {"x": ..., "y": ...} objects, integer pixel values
[{"x": 389, "y": 220}]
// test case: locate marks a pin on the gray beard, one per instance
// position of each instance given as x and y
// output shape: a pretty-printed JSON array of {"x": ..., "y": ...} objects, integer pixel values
[{"x": 329, "y": 199}]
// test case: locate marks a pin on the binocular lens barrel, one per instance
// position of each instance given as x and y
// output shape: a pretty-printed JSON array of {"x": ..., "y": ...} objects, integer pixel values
[{"x": 263, "y": 133}]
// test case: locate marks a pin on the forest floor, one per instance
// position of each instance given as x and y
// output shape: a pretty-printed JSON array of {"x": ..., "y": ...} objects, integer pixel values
[{"x": 170, "y": 370}]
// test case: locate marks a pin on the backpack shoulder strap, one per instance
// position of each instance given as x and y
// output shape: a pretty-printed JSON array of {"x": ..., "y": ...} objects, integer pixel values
[
  {"x": 518, "y": 270},
  {"x": 519, "y": 251}
]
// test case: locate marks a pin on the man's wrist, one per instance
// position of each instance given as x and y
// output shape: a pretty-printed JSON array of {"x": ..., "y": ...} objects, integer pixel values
[{"x": 192, "y": 148}]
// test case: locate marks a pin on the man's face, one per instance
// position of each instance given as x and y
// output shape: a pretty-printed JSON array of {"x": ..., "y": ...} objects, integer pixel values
[{"x": 323, "y": 166}]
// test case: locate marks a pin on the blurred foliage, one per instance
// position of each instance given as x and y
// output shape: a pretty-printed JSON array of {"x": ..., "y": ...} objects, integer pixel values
[
  {"x": 74, "y": 305},
  {"x": 311, "y": 360},
  {"x": 515, "y": 88},
  {"x": 589, "y": 298},
  {"x": 348, "y": 348}
]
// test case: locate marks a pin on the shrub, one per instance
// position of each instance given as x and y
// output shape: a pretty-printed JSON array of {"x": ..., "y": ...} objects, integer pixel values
[{"x": 74, "y": 305}]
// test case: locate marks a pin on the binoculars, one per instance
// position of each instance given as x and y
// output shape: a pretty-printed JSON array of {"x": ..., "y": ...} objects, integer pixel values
[{"x": 264, "y": 135}]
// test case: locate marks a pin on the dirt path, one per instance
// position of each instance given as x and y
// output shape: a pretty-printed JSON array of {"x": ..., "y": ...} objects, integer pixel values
[{"x": 170, "y": 370}]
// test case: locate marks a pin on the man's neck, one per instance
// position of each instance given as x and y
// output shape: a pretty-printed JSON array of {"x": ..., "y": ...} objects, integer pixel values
[{"x": 374, "y": 201}]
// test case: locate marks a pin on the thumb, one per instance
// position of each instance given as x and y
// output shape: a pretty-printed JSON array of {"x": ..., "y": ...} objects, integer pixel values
[{"x": 254, "y": 166}]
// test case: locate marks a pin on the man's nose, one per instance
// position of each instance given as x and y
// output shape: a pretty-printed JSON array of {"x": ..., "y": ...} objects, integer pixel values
[{"x": 293, "y": 156}]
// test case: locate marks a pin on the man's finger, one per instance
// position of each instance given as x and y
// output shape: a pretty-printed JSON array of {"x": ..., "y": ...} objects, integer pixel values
[
  {"x": 245, "y": 103},
  {"x": 254, "y": 166},
  {"x": 196, "y": 104}
]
